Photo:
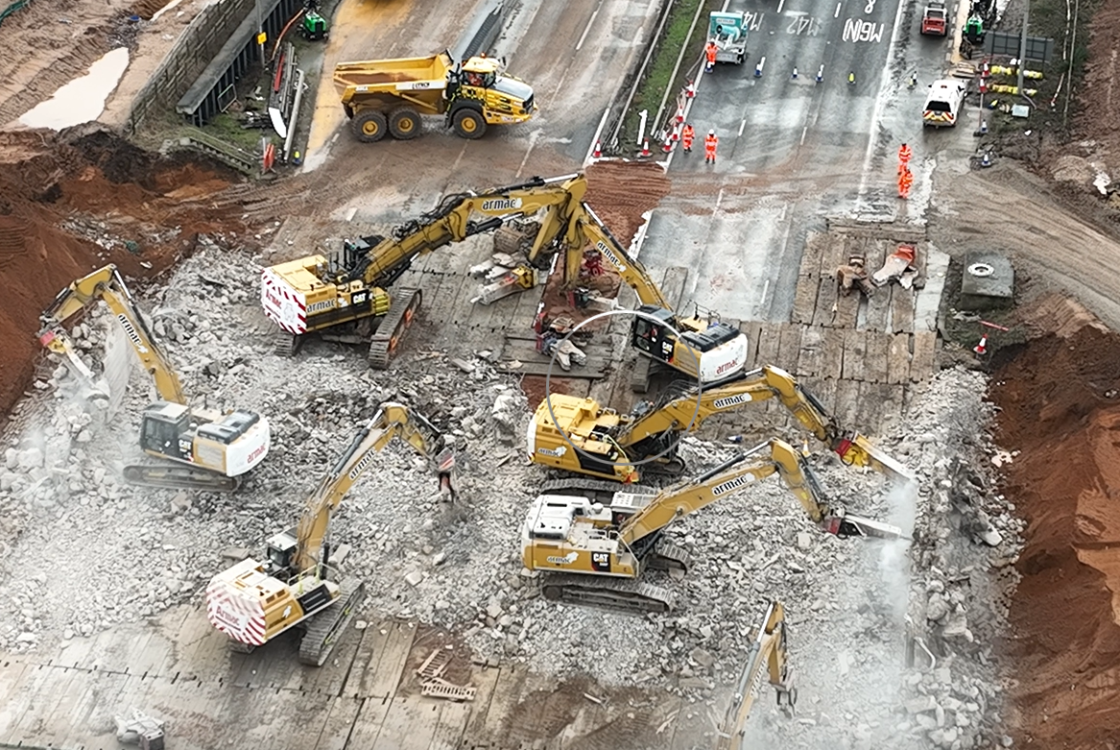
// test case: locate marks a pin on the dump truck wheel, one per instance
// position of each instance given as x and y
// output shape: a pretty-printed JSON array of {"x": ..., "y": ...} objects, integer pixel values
[
  {"x": 369, "y": 126},
  {"x": 404, "y": 123},
  {"x": 469, "y": 124}
]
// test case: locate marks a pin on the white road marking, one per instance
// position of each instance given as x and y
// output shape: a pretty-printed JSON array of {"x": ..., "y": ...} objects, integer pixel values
[
  {"x": 719, "y": 199},
  {"x": 742, "y": 125},
  {"x": 532, "y": 142},
  {"x": 837, "y": 13},
  {"x": 725, "y": 4},
  {"x": 598, "y": 133},
  {"x": 804, "y": 130},
  {"x": 765, "y": 289},
  {"x": 781, "y": 4},
  {"x": 588, "y": 27},
  {"x": 459, "y": 158},
  {"x": 880, "y": 103}
]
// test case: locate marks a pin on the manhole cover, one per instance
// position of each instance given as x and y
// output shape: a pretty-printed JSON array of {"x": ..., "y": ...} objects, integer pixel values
[{"x": 980, "y": 269}]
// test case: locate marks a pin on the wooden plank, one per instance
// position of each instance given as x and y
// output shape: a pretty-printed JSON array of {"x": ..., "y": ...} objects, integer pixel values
[
  {"x": 340, "y": 717},
  {"x": 672, "y": 285},
  {"x": 868, "y": 414},
  {"x": 410, "y": 723},
  {"x": 805, "y": 297},
  {"x": 789, "y": 347},
  {"x": 924, "y": 363},
  {"x": 890, "y": 399},
  {"x": 811, "y": 353},
  {"x": 815, "y": 243},
  {"x": 485, "y": 680},
  {"x": 68, "y": 698},
  {"x": 367, "y": 658},
  {"x": 768, "y": 343},
  {"x": 898, "y": 359},
  {"x": 99, "y": 705},
  {"x": 17, "y": 713},
  {"x": 507, "y": 694},
  {"x": 391, "y": 664},
  {"x": 902, "y": 309},
  {"x": 824, "y": 390},
  {"x": 847, "y": 407},
  {"x": 367, "y": 725},
  {"x": 823, "y": 314},
  {"x": 876, "y": 363},
  {"x": 753, "y": 329},
  {"x": 452, "y": 723},
  {"x": 589, "y": 372},
  {"x": 855, "y": 351},
  {"x": 833, "y": 359},
  {"x": 878, "y": 306}
]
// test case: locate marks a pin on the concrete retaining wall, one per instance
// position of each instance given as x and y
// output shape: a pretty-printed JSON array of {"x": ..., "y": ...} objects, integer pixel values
[{"x": 197, "y": 45}]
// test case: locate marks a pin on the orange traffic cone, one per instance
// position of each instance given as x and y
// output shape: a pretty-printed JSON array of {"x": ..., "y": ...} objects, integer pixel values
[
  {"x": 598, "y": 152},
  {"x": 690, "y": 90},
  {"x": 645, "y": 147},
  {"x": 982, "y": 348}
]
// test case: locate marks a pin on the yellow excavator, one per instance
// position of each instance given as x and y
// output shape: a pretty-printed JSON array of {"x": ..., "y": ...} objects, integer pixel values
[
  {"x": 254, "y": 601},
  {"x": 594, "y": 554},
  {"x": 345, "y": 298},
  {"x": 608, "y": 444},
  {"x": 768, "y": 655},
  {"x": 209, "y": 450}
]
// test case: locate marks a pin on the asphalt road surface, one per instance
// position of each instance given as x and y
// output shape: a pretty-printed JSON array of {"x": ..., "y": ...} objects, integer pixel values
[{"x": 793, "y": 150}]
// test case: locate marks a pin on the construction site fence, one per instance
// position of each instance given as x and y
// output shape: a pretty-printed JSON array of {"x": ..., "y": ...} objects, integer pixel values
[{"x": 17, "y": 5}]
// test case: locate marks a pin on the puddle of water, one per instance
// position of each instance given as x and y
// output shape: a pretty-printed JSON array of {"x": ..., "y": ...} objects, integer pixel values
[
  {"x": 164, "y": 9},
  {"x": 83, "y": 99}
]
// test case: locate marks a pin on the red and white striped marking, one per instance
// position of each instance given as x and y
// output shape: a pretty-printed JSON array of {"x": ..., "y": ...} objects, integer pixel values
[
  {"x": 282, "y": 304},
  {"x": 236, "y": 615}
]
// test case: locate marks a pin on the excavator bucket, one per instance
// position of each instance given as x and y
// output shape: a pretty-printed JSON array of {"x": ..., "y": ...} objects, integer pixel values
[{"x": 845, "y": 526}]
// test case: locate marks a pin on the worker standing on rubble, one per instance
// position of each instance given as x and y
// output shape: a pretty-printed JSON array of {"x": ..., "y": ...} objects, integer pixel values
[
  {"x": 687, "y": 134},
  {"x": 710, "y": 143},
  {"x": 710, "y": 53}
]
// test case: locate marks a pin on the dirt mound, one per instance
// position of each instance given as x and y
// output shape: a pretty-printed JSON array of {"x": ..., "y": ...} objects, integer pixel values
[
  {"x": 1098, "y": 117},
  {"x": 620, "y": 192},
  {"x": 70, "y": 205},
  {"x": 1060, "y": 401}
]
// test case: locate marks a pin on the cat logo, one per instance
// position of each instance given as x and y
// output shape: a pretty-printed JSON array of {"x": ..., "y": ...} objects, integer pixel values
[
  {"x": 601, "y": 561},
  {"x": 567, "y": 559}
]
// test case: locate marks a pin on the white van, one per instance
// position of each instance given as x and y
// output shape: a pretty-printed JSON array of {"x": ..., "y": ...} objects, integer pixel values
[{"x": 943, "y": 103}]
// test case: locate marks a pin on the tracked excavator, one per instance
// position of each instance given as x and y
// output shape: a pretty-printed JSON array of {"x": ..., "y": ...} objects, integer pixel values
[
  {"x": 594, "y": 554},
  {"x": 345, "y": 297},
  {"x": 768, "y": 656},
  {"x": 254, "y": 601},
  {"x": 205, "y": 450},
  {"x": 609, "y": 443}
]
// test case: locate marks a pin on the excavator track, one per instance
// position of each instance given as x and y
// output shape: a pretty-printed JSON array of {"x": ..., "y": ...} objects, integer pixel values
[
  {"x": 621, "y": 595},
  {"x": 668, "y": 556},
  {"x": 576, "y": 485},
  {"x": 389, "y": 333},
  {"x": 328, "y": 625},
  {"x": 180, "y": 478}
]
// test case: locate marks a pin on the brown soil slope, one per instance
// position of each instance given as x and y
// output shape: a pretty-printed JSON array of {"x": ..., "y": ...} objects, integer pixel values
[
  {"x": 1060, "y": 402},
  {"x": 67, "y": 207}
]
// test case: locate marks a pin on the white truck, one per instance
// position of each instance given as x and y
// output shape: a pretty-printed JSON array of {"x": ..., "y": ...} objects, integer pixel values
[
  {"x": 943, "y": 103},
  {"x": 729, "y": 33}
]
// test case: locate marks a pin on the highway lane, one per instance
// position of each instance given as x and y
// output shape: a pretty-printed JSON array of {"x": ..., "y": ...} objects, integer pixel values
[{"x": 792, "y": 149}]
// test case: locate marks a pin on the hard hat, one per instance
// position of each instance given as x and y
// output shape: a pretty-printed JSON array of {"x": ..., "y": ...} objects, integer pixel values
[{"x": 712, "y": 132}]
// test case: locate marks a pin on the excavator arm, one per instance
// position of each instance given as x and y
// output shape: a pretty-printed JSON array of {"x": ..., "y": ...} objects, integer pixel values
[
  {"x": 453, "y": 221},
  {"x": 768, "y": 656},
  {"x": 688, "y": 497},
  {"x": 764, "y": 383},
  {"x": 391, "y": 420},
  {"x": 106, "y": 284}
]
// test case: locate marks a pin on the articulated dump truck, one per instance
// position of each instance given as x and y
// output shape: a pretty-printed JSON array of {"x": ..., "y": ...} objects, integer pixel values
[{"x": 391, "y": 95}]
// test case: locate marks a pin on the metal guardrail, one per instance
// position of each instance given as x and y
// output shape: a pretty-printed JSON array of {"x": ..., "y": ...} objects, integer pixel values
[{"x": 16, "y": 6}]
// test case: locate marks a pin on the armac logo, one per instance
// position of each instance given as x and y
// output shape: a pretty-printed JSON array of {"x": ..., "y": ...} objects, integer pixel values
[
  {"x": 315, "y": 307},
  {"x": 132, "y": 334},
  {"x": 725, "y": 367},
  {"x": 723, "y": 403},
  {"x": 609, "y": 254},
  {"x": 554, "y": 452},
  {"x": 360, "y": 466},
  {"x": 729, "y": 485},
  {"x": 501, "y": 204},
  {"x": 255, "y": 454}
]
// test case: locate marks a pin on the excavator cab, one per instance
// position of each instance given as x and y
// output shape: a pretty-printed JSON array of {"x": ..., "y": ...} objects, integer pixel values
[
  {"x": 652, "y": 337},
  {"x": 166, "y": 430}
]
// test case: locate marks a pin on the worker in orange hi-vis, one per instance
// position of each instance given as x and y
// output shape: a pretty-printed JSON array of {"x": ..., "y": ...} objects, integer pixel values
[
  {"x": 710, "y": 53},
  {"x": 710, "y": 143},
  {"x": 904, "y": 155},
  {"x": 687, "y": 134},
  {"x": 905, "y": 180}
]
